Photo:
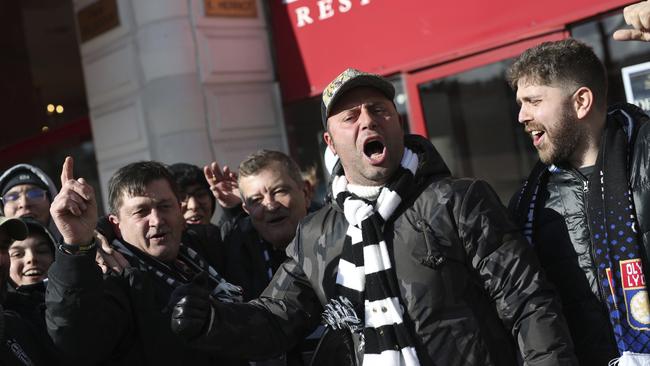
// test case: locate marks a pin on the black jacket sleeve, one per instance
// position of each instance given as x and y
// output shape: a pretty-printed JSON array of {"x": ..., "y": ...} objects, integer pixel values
[
  {"x": 88, "y": 317},
  {"x": 283, "y": 315},
  {"x": 511, "y": 274}
]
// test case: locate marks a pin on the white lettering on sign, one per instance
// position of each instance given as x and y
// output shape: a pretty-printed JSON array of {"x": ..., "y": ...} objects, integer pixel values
[
  {"x": 345, "y": 6},
  {"x": 302, "y": 16},
  {"x": 324, "y": 9}
]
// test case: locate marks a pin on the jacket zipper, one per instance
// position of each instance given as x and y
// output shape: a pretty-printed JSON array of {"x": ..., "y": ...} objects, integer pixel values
[{"x": 585, "y": 191}]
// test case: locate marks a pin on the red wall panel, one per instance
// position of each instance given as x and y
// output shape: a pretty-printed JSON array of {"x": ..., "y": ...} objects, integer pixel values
[{"x": 315, "y": 40}]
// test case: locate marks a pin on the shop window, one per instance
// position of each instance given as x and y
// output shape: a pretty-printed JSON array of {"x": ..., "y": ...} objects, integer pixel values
[
  {"x": 471, "y": 118},
  {"x": 305, "y": 138}
]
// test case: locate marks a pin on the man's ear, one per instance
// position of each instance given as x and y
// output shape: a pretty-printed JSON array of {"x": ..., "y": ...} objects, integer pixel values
[
  {"x": 328, "y": 140},
  {"x": 308, "y": 191},
  {"x": 115, "y": 223},
  {"x": 583, "y": 102}
]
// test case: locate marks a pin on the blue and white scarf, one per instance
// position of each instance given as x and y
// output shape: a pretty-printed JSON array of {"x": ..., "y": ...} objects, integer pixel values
[{"x": 613, "y": 228}]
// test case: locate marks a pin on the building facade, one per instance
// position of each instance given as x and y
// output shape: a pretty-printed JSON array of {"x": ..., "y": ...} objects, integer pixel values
[{"x": 202, "y": 80}]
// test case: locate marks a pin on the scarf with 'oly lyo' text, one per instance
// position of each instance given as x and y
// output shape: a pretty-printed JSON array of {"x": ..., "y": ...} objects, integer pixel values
[{"x": 613, "y": 228}]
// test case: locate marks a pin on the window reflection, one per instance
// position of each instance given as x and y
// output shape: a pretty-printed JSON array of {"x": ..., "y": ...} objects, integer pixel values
[
  {"x": 471, "y": 118},
  {"x": 597, "y": 33}
]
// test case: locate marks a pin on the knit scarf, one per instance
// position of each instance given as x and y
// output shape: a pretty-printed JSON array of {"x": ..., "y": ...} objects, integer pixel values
[
  {"x": 612, "y": 225},
  {"x": 222, "y": 290},
  {"x": 366, "y": 279}
]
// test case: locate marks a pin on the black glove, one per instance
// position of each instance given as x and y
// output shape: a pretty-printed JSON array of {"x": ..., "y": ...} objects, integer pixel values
[{"x": 192, "y": 311}]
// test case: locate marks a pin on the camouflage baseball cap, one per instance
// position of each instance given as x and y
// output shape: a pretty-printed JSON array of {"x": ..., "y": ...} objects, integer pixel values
[
  {"x": 16, "y": 228},
  {"x": 348, "y": 79}
]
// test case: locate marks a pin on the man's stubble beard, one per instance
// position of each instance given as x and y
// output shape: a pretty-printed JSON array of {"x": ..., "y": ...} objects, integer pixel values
[{"x": 566, "y": 139}]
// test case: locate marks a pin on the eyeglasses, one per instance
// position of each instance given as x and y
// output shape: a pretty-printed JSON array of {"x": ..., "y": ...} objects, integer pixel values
[
  {"x": 200, "y": 194},
  {"x": 31, "y": 194}
]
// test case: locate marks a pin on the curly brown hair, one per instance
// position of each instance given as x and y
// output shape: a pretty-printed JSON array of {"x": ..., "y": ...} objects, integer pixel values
[{"x": 566, "y": 62}]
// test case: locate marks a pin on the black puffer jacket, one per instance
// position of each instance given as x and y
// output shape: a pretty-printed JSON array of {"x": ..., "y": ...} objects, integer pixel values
[
  {"x": 485, "y": 297},
  {"x": 563, "y": 243},
  {"x": 119, "y": 319},
  {"x": 248, "y": 261},
  {"x": 241, "y": 258},
  {"x": 21, "y": 344},
  {"x": 28, "y": 303}
]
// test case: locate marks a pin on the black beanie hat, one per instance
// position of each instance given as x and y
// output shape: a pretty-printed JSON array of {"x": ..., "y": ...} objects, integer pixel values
[{"x": 23, "y": 176}]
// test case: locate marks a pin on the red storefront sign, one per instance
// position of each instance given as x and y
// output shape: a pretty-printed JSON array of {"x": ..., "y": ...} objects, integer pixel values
[{"x": 316, "y": 39}]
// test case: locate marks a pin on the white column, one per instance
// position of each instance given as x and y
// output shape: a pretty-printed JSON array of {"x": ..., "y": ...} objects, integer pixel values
[{"x": 173, "y": 85}]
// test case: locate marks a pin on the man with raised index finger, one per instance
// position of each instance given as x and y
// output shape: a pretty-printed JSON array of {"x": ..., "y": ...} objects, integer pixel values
[
  {"x": 407, "y": 265},
  {"x": 123, "y": 318}
]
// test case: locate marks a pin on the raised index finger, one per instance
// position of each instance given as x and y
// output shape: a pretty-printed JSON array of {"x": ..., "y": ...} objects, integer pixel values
[{"x": 67, "y": 170}]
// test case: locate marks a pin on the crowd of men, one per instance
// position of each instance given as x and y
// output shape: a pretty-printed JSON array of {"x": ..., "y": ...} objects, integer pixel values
[{"x": 402, "y": 264}]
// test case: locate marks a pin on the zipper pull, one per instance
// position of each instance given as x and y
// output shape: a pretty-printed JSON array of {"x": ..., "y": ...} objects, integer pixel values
[
  {"x": 434, "y": 258},
  {"x": 585, "y": 186}
]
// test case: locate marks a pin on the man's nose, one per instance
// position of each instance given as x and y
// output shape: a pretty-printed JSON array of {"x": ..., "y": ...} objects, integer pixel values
[
  {"x": 29, "y": 257},
  {"x": 22, "y": 200},
  {"x": 155, "y": 218},
  {"x": 524, "y": 115},
  {"x": 270, "y": 203},
  {"x": 192, "y": 203},
  {"x": 367, "y": 119}
]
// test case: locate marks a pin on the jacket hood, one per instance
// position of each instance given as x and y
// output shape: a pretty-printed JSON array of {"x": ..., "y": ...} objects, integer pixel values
[
  {"x": 636, "y": 113},
  {"x": 431, "y": 163}
]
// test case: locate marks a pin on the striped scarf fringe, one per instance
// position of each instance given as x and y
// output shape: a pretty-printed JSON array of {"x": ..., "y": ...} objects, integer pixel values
[{"x": 366, "y": 278}]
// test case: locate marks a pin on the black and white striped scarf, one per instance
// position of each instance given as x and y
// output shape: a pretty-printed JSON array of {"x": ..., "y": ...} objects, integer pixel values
[
  {"x": 221, "y": 289},
  {"x": 366, "y": 278}
]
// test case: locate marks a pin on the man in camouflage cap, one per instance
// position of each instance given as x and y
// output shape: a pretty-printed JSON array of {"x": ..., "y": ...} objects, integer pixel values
[{"x": 405, "y": 265}]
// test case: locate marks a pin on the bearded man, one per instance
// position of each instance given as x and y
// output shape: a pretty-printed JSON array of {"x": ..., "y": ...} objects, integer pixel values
[{"x": 586, "y": 205}]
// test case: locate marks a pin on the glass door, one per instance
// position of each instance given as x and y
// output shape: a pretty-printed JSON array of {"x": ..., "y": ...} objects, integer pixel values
[{"x": 468, "y": 111}]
